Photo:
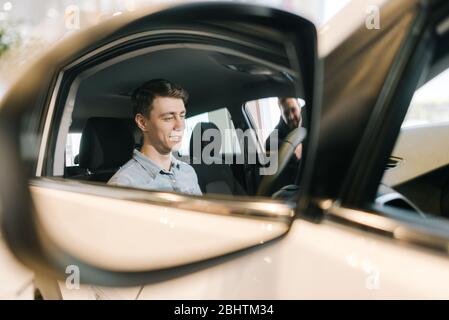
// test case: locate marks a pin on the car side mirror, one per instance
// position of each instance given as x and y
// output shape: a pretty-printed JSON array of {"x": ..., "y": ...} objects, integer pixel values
[{"x": 156, "y": 235}]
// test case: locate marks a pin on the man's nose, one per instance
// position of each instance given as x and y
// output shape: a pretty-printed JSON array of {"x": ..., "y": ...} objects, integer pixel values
[{"x": 179, "y": 123}]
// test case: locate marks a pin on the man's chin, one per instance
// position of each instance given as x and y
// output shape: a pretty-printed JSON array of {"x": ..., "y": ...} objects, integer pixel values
[{"x": 176, "y": 146}]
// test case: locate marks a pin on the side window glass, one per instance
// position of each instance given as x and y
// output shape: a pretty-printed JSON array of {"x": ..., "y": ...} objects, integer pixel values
[
  {"x": 430, "y": 104},
  {"x": 222, "y": 119},
  {"x": 264, "y": 115},
  {"x": 72, "y": 149},
  {"x": 416, "y": 176}
]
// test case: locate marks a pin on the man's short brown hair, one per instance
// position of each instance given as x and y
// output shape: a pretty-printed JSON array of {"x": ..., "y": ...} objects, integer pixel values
[{"x": 144, "y": 96}]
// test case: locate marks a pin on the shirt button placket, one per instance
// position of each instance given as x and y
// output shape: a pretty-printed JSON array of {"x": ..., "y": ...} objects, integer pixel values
[{"x": 175, "y": 187}]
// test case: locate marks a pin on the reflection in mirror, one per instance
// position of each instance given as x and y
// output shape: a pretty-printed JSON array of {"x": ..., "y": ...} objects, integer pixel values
[
  {"x": 139, "y": 150},
  {"x": 159, "y": 154},
  {"x": 171, "y": 119}
]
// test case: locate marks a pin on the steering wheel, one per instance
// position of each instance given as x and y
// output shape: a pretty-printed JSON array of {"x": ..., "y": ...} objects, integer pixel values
[{"x": 286, "y": 151}]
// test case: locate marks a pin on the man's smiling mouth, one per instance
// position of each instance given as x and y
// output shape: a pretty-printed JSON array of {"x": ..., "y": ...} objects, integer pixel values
[{"x": 175, "y": 138}]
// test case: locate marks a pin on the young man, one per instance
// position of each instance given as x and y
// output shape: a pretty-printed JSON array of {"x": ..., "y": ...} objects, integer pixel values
[{"x": 159, "y": 112}]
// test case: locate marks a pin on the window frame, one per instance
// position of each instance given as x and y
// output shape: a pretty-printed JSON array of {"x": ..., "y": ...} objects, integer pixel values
[
  {"x": 69, "y": 84},
  {"x": 61, "y": 105}
]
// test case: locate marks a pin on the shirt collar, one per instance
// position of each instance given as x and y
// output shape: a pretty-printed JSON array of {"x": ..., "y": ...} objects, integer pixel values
[{"x": 152, "y": 167}]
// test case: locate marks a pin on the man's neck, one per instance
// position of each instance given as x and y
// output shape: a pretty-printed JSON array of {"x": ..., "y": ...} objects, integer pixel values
[{"x": 162, "y": 160}]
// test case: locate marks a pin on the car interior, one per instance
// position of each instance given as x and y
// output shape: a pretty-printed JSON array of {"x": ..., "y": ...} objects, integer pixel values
[{"x": 99, "y": 108}]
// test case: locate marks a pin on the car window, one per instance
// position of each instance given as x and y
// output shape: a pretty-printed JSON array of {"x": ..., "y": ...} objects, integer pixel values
[
  {"x": 96, "y": 138},
  {"x": 222, "y": 119},
  {"x": 430, "y": 104},
  {"x": 417, "y": 174},
  {"x": 264, "y": 115},
  {"x": 72, "y": 149}
]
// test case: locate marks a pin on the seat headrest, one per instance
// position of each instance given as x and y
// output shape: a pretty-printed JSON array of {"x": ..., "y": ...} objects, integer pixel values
[
  {"x": 106, "y": 143},
  {"x": 198, "y": 137}
]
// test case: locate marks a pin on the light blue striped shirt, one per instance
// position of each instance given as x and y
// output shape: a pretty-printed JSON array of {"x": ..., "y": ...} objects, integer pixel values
[{"x": 141, "y": 172}]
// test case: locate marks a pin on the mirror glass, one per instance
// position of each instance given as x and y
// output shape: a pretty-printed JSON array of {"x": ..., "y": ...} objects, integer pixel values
[{"x": 173, "y": 153}]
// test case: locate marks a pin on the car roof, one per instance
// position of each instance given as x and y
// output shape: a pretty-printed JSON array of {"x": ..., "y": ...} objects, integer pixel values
[{"x": 213, "y": 79}]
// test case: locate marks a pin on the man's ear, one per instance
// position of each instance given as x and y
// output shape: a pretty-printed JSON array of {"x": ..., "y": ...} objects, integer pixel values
[{"x": 141, "y": 122}]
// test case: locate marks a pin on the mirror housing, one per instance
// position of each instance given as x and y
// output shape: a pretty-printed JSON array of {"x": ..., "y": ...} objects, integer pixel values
[{"x": 22, "y": 228}]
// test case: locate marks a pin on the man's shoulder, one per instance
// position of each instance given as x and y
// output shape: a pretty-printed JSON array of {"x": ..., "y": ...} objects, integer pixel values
[
  {"x": 127, "y": 173},
  {"x": 131, "y": 166}
]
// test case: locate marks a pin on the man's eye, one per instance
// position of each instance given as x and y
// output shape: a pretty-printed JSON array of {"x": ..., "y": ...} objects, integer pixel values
[
  {"x": 183, "y": 116},
  {"x": 167, "y": 119}
]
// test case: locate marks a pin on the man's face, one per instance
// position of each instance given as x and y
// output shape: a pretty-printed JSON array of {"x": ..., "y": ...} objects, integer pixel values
[
  {"x": 291, "y": 113},
  {"x": 166, "y": 123}
]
